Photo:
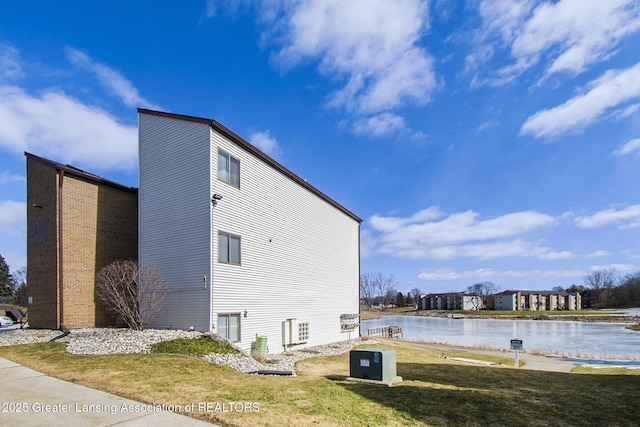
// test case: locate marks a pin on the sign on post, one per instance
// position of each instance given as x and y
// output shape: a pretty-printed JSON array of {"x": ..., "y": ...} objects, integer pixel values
[{"x": 516, "y": 345}]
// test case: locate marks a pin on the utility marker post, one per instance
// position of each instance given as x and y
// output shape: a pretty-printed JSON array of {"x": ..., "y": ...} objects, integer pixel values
[{"x": 516, "y": 345}]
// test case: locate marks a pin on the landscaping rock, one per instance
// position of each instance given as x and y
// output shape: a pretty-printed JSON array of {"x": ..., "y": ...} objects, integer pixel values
[{"x": 123, "y": 341}]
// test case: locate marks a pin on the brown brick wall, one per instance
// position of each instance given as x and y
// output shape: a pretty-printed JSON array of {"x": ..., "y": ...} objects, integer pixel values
[
  {"x": 99, "y": 226},
  {"x": 42, "y": 251}
]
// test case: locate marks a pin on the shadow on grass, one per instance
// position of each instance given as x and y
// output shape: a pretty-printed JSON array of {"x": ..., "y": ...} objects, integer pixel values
[{"x": 441, "y": 394}]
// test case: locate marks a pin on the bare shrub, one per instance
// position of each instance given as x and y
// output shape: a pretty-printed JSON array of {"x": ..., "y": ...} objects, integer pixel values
[{"x": 135, "y": 293}]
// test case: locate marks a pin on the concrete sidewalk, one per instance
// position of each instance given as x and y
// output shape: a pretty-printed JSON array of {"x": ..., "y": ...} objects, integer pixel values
[{"x": 28, "y": 397}]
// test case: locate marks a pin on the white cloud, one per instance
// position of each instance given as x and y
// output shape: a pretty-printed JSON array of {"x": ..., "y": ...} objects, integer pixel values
[
  {"x": 627, "y": 111},
  {"x": 598, "y": 254},
  {"x": 210, "y": 10},
  {"x": 628, "y": 148},
  {"x": 450, "y": 274},
  {"x": 483, "y": 273},
  {"x": 13, "y": 218},
  {"x": 10, "y": 67},
  {"x": 265, "y": 142},
  {"x": 552, "y": 256},
  {"x": 628, "y": 217},
  {"x": 379, "y": 125},
  {"x": 616, "y": 267},
  {"x": 482, "y": 251},
  {"x": 367, "y": 243},
  {"x": 112, "y": 80},
  {"x": 429, "y": 234},
  {"x": 567, "y": 36},
  {"x": 576, "y": 33},
  {"x": 459, "y": 227},
  {"x": 371, "y": 45},
  {"x": 11, "y": 178},
  {"x": 612, "y": 89},
  {"x": 56, "y": 125}
]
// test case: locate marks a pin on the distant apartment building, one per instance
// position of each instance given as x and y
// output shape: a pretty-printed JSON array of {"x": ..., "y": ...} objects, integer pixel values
[
  {"x": 450, "y": 301},
  {"x": 77, "y": 223},
  {"x": 537, "y": 300}
]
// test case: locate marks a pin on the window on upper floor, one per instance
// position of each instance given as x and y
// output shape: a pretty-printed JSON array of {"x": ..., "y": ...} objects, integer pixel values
[
  {"x": 228, "y": 168},
  {"x": 228, "y": 248}
]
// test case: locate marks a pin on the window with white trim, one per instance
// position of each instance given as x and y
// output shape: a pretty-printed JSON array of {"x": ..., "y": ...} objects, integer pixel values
[
  {"x": 228, "y": 248},
  {"x": 228, "y": 168},
  {"x": 229, "y": 326}
]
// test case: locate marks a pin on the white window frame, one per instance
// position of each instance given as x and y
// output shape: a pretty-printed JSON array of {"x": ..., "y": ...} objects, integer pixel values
[
  {"x": 225, "y": 248},
  {"x": 226, "y": 330},
  {"x": 226, "y": 169}
]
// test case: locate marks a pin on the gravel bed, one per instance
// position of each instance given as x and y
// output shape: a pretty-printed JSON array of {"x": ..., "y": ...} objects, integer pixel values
[
  {"x": 27, "y": 336},
  {"x": 281, "y": 363},
  {"x": 122, "y": 341},
  {"x": 97, "y": 340}
]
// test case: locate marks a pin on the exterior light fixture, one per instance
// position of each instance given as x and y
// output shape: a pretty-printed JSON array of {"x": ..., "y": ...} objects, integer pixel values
[
  {"x": 36, "y": 205},
  {"x": 215, "y": 198}
]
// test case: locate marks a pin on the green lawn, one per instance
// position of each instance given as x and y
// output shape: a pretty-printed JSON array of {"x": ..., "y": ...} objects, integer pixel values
[{"x": 435, "y": 391}]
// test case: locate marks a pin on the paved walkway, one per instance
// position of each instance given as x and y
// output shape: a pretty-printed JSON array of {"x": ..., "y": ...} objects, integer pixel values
[
  {"x": 533, "y": 362},
  {"x": 28, "y": 397}
]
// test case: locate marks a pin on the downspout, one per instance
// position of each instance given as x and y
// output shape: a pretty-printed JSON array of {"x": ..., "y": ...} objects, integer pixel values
[
  {"x": 211, "y": 234},
  {"x": 359, "y": 286},
  {"x": 210, "y": 290},
  {"x": 60, "y": 252}
]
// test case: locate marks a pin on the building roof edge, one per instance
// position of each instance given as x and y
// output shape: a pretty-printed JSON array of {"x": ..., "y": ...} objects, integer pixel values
[
  {"x": 72, "y": 170},
  {"x": 244, "y": 144}
]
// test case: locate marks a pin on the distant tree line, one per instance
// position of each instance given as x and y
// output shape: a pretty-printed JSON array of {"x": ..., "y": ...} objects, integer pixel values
[
  {"x": 608, "y": 289},
  {"x": 13, "y": 287},
  {"x": 604, "y": 288},
  {"x": 376, "y": 288}
]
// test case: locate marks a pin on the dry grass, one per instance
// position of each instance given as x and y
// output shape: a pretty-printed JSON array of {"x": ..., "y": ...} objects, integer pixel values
[{"x": 435, "y": 391}]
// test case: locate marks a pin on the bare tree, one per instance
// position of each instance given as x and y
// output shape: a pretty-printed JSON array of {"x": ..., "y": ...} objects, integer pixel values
[
  {"x": 601, "y": 279},
  {"x": 483, "y": 290},
  {"x": 601, "y": 282},
  {"x": 387, "y": 290},
  {"x": 20, "y": 287},
  {"x": 135, "y": 293},
  {"x": 367, "y": 288},
  {"x": 376, "y": 285},
  {"x": 476, "y": 304},
  {"x": 415, "y": 295}
]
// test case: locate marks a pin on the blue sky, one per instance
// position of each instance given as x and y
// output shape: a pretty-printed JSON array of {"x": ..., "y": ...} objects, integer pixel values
[{"x": 482, "y": 140}]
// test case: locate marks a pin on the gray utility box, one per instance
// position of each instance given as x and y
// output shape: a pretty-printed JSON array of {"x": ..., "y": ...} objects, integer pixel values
[{"x": 372, "y": 364}]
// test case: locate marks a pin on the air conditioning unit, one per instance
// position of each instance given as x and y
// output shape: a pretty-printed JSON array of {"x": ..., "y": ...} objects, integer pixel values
[{"x": 295, "y": 331}]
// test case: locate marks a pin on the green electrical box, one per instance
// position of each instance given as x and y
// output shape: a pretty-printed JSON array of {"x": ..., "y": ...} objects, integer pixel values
[{"x": 373, "y": 364}]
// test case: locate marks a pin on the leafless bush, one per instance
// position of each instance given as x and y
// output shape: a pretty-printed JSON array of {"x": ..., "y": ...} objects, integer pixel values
[{"x": 135, "y": 293}]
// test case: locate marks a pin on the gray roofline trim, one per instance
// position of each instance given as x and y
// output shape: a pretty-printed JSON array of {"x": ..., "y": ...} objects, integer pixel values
[
  {"x": 244, "y": 144},
  {"x": 71, "y": 170}
]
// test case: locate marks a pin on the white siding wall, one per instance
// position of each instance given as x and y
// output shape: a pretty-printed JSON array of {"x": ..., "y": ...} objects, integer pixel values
[
  {"x": 300, "y": 255},
  {"x": 505, "y": 302},
  {"x": 174, "y": 216},
  {"x": 471, "y": 302}
]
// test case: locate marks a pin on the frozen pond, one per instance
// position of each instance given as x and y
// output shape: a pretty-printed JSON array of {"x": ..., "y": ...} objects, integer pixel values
[{"x": 563, "y": 338}]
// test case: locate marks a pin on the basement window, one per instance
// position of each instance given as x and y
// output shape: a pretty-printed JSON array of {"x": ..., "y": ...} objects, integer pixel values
[
  {"x": 229, "y": 326},
  {"x": 228, "y": 168}
]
